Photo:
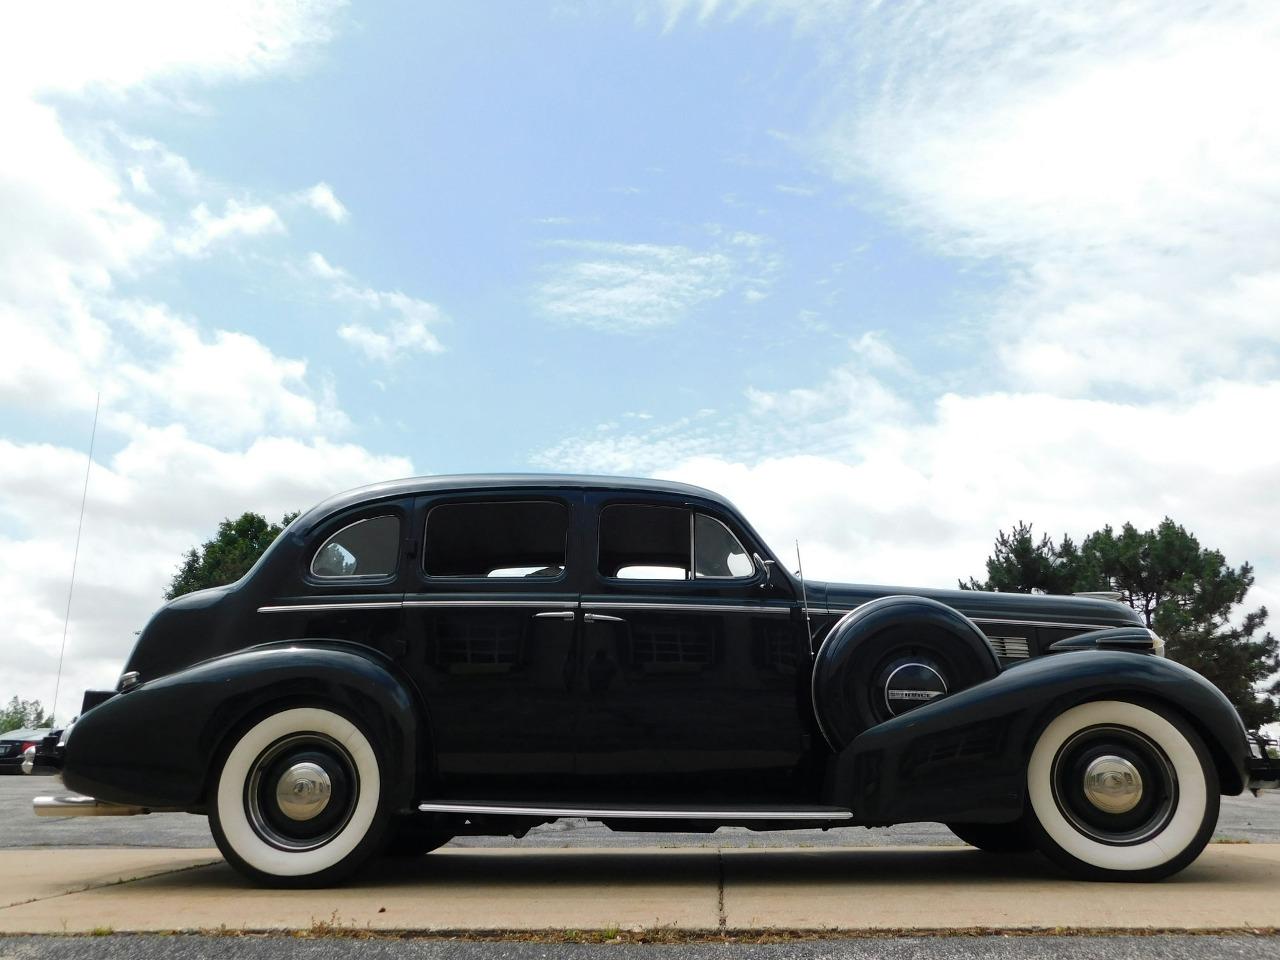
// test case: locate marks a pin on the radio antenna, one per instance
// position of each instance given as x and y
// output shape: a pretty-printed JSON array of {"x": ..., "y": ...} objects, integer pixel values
[
  {"x": 804, "y": 598},
  {"x": 75, "y": 557}
]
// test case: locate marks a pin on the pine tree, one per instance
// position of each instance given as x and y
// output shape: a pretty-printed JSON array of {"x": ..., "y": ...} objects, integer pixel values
[{"x": 1188, "y": 594}]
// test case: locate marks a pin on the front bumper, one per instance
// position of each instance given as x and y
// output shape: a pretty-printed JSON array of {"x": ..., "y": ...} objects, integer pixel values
[{"x": 1263, "y": 769}]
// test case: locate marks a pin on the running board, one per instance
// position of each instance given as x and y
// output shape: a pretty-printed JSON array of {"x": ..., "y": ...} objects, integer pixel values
[{"x": 728, "y": 814}]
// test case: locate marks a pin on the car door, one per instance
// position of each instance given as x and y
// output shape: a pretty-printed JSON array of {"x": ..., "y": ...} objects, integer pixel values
[
  {"x": 490, "y": 634},
  {"x": 694, "y": 661}
]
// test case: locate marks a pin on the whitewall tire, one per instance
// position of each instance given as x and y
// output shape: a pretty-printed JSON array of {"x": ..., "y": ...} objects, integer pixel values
[
  {"x": 1121, "y": 791},
  {"x": 300, "y": 799}
]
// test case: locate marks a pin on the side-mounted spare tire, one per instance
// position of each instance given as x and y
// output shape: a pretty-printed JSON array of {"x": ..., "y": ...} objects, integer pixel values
[{"x": 890, "y": 656}]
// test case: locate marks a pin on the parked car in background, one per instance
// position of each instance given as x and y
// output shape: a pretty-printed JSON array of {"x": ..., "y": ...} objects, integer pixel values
[
  {"x": 46, "y": 759},
  {"x": 426, "y": 658},
  {"x": 17, "y": 749}
]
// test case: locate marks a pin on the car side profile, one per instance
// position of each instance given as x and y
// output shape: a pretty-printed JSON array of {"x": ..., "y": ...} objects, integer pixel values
[{"x": 426, "y": 658}]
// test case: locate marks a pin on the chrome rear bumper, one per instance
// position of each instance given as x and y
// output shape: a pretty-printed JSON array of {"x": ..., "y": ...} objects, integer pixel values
[{"x": 74, "y": 805}]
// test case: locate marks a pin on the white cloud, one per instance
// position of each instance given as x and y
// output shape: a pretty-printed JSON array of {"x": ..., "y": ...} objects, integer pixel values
[
  {"x": 406, "y": 321},
  {"x": 237, "y": 220},
  {"x": 1118, "y": 160},
  {"x": 321, "y": 198},
  {"x": 227, "y": 386},
  {"x": 630, "y": 287}
]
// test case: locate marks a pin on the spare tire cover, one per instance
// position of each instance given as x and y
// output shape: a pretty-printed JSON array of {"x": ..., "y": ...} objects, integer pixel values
[{"x": 840, "y": 671}]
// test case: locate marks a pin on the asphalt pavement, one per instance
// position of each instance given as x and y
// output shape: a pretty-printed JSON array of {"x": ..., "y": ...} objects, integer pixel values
[
  {"x": 1243, "y": 818},
  {"x": 889, "y": 948}
]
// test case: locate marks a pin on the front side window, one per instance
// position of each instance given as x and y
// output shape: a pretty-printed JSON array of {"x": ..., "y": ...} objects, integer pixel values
[
  {"x": 366, "y": 548},
  {"x": 647, "y": 542},
  {"x": 502, "y": 539},
  {"x": 717, "y": 553}
]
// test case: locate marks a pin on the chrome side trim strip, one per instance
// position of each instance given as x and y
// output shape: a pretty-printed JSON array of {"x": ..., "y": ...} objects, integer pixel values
[
  {"x": 1049, "y": 623},
  {"x": 820, "y": 611},
  {"x": 314, "y": 607},
  {"x": 535, "y": 604},
  {"x": 608, "y": 813},
  {"x": 1011, "y": 623},
  {"x": 679, "y": 607}
]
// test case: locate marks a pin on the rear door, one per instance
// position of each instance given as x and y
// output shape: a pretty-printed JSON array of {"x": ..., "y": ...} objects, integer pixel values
[{"x": 491, "y": 633}]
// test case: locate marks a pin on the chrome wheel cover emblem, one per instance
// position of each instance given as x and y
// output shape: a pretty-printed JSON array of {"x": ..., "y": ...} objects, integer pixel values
[
  {"x": 1113, "y": 784},
  {"x": 303, "y": 791}
]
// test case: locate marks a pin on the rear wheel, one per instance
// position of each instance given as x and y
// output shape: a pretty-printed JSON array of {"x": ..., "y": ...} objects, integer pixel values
[
  {"x": 1121, "y": 791},
  {"x": 299, "y": 800},
  {"x": 995, "y": 837}
]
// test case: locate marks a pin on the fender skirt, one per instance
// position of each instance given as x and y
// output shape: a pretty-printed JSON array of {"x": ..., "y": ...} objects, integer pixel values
[
  {"x": 962, "y": 758},
  {"x": 156, "y": 745}
]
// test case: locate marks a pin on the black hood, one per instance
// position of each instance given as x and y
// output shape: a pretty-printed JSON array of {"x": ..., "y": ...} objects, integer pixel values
[{"x": 980, "y": 604}]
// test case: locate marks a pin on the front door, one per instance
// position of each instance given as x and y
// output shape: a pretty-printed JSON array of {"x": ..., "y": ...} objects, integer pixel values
[
  {"x": 491, "y": 642},
  {"x": 693, "y": 663}
]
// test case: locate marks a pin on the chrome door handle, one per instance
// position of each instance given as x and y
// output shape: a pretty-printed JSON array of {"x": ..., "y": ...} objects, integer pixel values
[
  {"x": 554, "y": 615},
  {"x": 601, "y": 618}
]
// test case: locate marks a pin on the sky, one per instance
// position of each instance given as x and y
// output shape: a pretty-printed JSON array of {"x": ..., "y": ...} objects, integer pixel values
[{"x": 891, "y": 276}]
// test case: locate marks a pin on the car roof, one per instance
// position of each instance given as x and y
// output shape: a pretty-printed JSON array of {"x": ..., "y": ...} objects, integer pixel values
[
  {"x": 412, "y": 486},
  {"x": 25, "y": 733}
]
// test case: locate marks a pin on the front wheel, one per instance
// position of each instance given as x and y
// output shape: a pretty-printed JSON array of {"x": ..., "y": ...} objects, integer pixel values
[
  {"x": 1120, "y": 791},
  {"x": 299, "y": 800}
]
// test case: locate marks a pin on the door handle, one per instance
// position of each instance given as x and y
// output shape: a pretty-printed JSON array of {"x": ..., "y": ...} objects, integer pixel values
[
  {"x": 601, "y": 618},
  {"x": 554, "y": 615}
]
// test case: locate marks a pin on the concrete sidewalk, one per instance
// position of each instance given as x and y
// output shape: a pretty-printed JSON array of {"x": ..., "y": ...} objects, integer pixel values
[{"x": 1231, "y": 887}]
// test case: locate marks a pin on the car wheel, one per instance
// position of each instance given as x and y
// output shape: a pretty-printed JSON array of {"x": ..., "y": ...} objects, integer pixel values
[
  {"x": 299, "y": 800},
  {"x": 414, "y": 836},
  {"x": 1121, "y": 791},
  {"x": 995, "y": 837}
]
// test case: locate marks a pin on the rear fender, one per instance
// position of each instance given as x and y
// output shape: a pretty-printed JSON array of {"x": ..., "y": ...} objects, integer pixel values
[
  {"x": 962, "y": 759},
  {"x": 157, "y": 745}
]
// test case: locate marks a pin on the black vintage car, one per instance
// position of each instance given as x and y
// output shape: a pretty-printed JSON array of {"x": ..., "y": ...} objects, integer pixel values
[{"x": 478, "y": 655}]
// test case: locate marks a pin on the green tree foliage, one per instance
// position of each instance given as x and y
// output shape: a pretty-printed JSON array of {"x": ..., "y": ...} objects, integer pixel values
[
  {"x": 228, "y": 556},
  {"x": 23, "y": 713},
  {"x": 1187, "y": 593}
]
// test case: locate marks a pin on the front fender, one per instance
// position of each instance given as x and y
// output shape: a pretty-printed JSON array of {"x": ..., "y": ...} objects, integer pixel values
[
  {"x": 157, "y": 744},
  {"x": 962, "y": 759}
]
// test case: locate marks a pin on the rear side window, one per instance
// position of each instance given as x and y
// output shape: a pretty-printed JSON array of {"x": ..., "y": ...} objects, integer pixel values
[
  {"x": 645, "y": 542},
  {"x": 366, "y": 548},
  {"x": 501, "y": 539}
]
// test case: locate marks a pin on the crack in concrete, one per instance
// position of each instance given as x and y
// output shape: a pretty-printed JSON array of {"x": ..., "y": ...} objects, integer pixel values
[{"x": 723, "y": 919}]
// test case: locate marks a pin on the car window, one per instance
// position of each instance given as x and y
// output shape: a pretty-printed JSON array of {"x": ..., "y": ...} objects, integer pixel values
[
  {"x": 497, "y": 539},
  {"x": 366, "y": 548},
  {"x": 717, "y": 553},
  {"x": 645, "y": 542}
]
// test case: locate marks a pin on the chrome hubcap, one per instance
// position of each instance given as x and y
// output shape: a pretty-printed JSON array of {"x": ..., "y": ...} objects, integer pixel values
[
  {"x": 303, "y": 791},
  {"x": 1113, "y": 784}
]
